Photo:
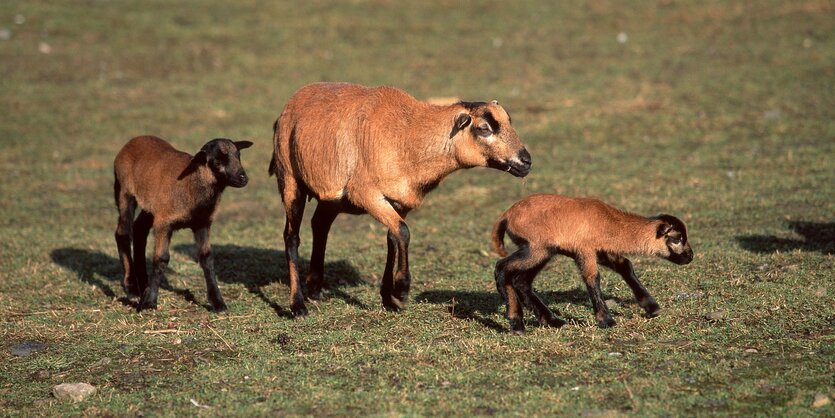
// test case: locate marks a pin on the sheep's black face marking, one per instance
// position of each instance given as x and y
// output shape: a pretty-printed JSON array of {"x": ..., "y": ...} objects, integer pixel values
[{"x": 224, "y": 159}]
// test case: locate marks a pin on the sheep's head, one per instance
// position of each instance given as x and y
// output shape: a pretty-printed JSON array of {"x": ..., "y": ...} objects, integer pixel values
[
  {"x": 671, "y": 235},
  {"x": 223, "y": 157},
  {"x": 484, "y": 137}
]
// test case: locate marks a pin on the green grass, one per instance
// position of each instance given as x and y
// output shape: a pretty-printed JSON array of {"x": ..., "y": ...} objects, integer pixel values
[{"x": 722, "y": 113}]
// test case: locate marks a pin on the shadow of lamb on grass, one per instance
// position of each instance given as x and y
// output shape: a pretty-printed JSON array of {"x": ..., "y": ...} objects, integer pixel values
[
  {"x": 254, "y": 268},
  {"x": 817, "y": 236},
  {"x": 479, "y": 306}
]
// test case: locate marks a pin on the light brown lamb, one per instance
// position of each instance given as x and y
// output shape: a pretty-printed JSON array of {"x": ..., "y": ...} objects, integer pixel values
[{"x": 589, "y": 231}]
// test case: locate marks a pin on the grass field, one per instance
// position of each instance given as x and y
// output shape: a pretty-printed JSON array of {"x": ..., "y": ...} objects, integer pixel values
[{"x": 722, "y": 113}]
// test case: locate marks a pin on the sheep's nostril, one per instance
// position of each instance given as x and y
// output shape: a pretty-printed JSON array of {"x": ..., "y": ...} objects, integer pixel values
[{"x": 525, "y": 157}]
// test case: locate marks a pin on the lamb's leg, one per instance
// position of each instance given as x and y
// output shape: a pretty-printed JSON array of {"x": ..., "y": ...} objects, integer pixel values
[
  {"x": 294, "y": 207},
  {"x": 588, "y": 268},
  {"x": 207, "y": 262},
  {"x": 162, "y": 239},
  {"x": 321, "y": 223},
  {"x": 126, "y": 206},
  {"x": 623, "y": 266},
  {"x": 508, "y": 273},
  {"x": 524, "y": 282},
  {"x": 141, "y": 228}
]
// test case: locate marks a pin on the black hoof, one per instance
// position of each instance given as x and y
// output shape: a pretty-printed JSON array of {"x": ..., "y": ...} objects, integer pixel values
[
  {"x": 553, "y": 322},
  {"x": 651, "y": 308},
  {"x": 391, "y": 305},
  {"x": 315, "y": 295},
  {"x": 299, "y": 310},
  {"x": 517, "y": 327},
  {"x": 606, "y": 322},
  {"x": 219, "y": 307},
  {"x": 145, "y": 305}
]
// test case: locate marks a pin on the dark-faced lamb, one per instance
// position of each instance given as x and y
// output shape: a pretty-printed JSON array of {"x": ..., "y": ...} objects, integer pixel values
[
  {"x": 173, "y": 190},
  {"x": 592, "y": 233}
]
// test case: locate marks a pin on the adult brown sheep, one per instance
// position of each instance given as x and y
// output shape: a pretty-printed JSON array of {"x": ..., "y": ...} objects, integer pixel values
[{"x": 379, "y": 151}]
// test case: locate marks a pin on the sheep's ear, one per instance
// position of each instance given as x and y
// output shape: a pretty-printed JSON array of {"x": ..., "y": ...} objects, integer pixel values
[
  {"x": 199, "y": 159},
  {"x": 243, "y": 144},
  {"x": 461, "y": 122}
]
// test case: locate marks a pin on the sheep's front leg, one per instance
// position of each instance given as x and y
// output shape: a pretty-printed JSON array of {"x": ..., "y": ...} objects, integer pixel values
[
  {"x": 162, "y": 238},
  {"x": 394, "y": 289},
  {"x": 588, "y": 268},
  {"x": 623, "y": 267},
  {"x": 207, "y": 262}
]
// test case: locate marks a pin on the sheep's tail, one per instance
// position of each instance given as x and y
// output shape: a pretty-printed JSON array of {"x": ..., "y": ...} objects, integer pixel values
[
  {"x": 498, "y": 236},
  {"x": 273, "y": 168}
]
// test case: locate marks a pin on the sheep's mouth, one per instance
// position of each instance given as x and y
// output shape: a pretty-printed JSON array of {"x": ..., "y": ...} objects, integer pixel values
[{"x": 517, "y": 168}]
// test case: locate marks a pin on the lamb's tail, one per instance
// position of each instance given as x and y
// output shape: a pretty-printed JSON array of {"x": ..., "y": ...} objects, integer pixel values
[
  {"x": 272, "y": 169},
  {"x": 498, "y": 236}
]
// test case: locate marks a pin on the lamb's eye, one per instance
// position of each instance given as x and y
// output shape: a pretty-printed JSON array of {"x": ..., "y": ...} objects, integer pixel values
[{"x": 675, "y": 240}]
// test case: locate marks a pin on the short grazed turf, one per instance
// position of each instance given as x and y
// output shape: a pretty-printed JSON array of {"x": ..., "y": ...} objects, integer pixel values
[{"x": 721, "y": 113}]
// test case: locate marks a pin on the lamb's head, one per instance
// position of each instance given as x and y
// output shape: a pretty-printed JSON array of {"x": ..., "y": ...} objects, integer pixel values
[
  {"x": 223, "y": 157},
  {"x": 671, "y": 237}
]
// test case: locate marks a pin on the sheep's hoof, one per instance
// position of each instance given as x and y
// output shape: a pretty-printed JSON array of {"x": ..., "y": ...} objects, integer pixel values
[
  {"x": 517, "y": 326},
  {"x": 219, "y": 306},
  {"x": 299, "y": 310},
  {"x": 606, "y": 322}
]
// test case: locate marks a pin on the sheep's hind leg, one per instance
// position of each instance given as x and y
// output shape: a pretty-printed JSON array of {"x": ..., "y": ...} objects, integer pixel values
[
  {"x": 623, "y": 267},
  {"x": 294, "y": 207},
  {"x": 321, "y": 223}
]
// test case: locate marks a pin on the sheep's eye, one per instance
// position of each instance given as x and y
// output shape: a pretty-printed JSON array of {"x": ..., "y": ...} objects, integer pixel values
[
  {"x": 484, "y": 130},
  {"x": 675, "y": 240}
]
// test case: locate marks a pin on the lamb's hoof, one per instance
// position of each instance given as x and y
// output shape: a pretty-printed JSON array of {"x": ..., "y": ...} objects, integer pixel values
[
  {"x": 606, "y": 322},
  {"x": 299, "y": 310},
  {"x": 651, "y": 308},
  {"x": 145, "y": 305},
  {"x": 132, "y": 290},
  {"x": 553, "y": 322},
  {"x": 391, "y": 304},
  {"x": 315, "y": 295}
]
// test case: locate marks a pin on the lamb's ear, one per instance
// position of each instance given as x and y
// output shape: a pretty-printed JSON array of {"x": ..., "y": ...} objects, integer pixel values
[
  {"x": 673, "y": 223},
  {"x": 461, "y": 122},
  {"x": 199, "y": 159},
  {"x": 663, "y": 229},
  {"x": 243, "y": 144}
]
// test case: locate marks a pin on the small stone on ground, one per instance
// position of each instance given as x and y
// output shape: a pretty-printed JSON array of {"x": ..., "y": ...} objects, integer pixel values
[
  {"x": 76, "y": 392},
  {"x": 820, "y": 400},
  {"x": 27, "y": 347}
]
